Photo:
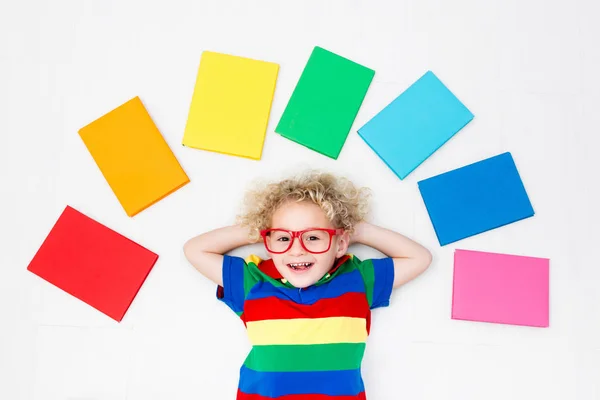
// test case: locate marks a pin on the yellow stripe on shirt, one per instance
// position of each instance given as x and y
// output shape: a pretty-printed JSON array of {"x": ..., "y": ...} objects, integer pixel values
[{"x": 307, "y": 331}]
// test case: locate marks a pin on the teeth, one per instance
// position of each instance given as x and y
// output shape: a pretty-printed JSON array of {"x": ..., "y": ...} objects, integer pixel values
[{"x": 298, "y": 265}]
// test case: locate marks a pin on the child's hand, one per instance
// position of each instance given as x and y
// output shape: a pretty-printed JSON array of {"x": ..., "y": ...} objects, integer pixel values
[{"x": 356, "y": 236}]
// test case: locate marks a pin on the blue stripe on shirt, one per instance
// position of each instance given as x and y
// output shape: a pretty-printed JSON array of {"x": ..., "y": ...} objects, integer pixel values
[
  {"x": 341, "y": 284},
  {"x": 275, "y": 384}
]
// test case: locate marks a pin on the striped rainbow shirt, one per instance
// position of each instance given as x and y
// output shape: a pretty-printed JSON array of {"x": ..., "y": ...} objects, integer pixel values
[{"x": 307, "y": 344}]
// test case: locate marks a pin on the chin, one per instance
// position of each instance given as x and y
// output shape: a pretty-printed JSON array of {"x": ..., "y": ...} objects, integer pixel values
[{"x": 301, "y": 283}]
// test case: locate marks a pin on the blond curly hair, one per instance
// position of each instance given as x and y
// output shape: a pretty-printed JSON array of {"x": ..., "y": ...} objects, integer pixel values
[{"x": 343, "y": 203}]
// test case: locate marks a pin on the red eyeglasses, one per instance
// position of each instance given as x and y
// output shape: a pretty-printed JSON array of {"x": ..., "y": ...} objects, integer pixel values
[{"x": 313, "y": 240}]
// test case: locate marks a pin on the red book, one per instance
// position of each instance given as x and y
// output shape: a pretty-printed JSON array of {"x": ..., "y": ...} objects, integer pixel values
[{"x": 93, "y": 263}]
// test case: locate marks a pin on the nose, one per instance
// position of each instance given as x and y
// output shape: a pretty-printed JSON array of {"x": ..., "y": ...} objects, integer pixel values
[{"x": 296, "y": 249}]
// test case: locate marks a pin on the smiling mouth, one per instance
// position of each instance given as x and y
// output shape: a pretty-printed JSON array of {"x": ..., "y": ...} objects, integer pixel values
[{"x": 300, "y": 266}]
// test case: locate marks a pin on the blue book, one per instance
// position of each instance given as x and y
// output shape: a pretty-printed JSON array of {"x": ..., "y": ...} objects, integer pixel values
[
  {"x": 415, "y": 124},
  {"x": 475, "y": 198}
]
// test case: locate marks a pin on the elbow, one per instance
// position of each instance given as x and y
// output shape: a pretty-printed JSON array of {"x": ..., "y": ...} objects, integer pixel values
[
  {"x": 193, "y": 248},
  {"x": 188, "y": 249},
  {"x": 427, "y": 259}
]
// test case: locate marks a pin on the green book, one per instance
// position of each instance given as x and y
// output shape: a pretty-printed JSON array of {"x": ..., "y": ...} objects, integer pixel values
[{"x": 325, "y": 102}]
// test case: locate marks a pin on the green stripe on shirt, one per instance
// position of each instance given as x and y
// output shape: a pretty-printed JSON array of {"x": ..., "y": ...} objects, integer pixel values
[{"x": 297, "y": 358}]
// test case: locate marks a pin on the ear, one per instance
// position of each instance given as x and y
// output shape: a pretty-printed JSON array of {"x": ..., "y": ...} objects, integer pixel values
[{"x": 343, "y": 242}]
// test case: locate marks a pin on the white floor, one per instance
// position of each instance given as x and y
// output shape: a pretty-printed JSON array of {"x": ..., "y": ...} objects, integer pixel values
[{"x": 527, "y": 69}]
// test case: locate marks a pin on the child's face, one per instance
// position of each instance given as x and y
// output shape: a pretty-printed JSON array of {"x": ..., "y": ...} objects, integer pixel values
[{"x": 300, "y": 267}]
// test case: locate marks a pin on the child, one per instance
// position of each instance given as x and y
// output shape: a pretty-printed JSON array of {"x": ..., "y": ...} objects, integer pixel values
[{"x": 307, "y": 308}]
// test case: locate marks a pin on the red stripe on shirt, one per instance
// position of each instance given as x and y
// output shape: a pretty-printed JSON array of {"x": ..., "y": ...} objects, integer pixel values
[
  {"x": 244, "y": 396},
  {"x": 347, "y": 305}
]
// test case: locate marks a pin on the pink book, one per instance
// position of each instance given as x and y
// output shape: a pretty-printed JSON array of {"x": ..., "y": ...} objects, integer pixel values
[{"x": 500, "y": 288}]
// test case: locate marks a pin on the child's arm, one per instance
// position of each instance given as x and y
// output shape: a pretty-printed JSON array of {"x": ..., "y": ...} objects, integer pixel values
[
  {"x": 410, "y": 258},
  {"x": 205, "y": 252}
]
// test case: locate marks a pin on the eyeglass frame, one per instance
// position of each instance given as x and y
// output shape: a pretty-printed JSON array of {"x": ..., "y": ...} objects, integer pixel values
[{"x": 298, "y": 234}]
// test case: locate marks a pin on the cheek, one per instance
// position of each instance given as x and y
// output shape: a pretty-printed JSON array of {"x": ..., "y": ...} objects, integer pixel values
[
  {"x": 277, "y": 258},
  {"x": 326, "y": 259}
]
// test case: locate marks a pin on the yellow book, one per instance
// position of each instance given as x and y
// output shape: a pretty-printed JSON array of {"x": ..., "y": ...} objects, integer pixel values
[
  {"x": 230, "y": 108},
  {"x": 133, "y": 156}
]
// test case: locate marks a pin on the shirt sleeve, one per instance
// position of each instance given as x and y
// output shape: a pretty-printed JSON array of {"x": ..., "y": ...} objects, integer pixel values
[
  {"x": 378, "y": 276},
  {"x": 237, "y": 282}
]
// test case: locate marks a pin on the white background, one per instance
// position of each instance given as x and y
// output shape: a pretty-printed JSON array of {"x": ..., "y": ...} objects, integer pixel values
[{"x": 527, "y": 69}]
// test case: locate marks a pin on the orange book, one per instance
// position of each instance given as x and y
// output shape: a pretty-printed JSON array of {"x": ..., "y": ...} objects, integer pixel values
[{"x": 133, "y": 156}]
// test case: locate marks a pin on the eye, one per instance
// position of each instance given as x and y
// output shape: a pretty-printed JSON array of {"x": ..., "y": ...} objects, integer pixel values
[
  {"x": 313, "y": 238},
  {"x": 283, "y": 239}
]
